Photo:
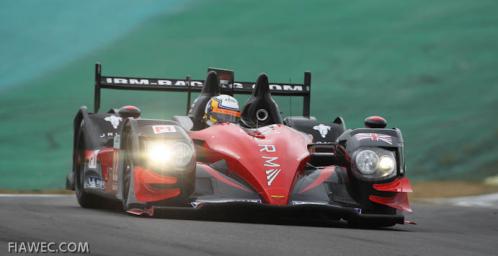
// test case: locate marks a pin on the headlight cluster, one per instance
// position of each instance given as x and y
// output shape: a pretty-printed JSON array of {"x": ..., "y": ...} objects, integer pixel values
[
  {"x": 375, "y": 163},
  {"x": 167, "y": 155}
]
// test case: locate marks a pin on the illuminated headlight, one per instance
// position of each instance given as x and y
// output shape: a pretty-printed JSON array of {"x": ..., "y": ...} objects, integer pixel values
[
  {"x": 386, "y": 165},
  {"x": 168, "y": 154},
  {"x": 375, "y": 163}
]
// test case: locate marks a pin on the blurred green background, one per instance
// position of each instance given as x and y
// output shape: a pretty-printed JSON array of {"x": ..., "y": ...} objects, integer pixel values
[{"x": 429, "y": 67}]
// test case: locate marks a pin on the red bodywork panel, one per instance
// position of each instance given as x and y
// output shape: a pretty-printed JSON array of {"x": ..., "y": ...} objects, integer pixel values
[
  {"x": 269, "y": 158},
  {"x": 105, "y": 157},
  {"x": 221, "y": 178},
  {"x": 397, "y": 185},
  {"x": 144, "y": 179},
  {"x": 398, "y": 201},
  {"x": 401, "y": 187}
]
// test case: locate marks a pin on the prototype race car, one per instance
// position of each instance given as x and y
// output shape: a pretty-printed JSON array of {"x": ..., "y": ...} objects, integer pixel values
[{"x": 265, "y": 161}]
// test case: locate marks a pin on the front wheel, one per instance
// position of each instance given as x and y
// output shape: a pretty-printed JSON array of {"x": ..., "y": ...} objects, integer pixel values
[
  {"x": 128, "y": 166},
  {"x": 126, "y": 181}
]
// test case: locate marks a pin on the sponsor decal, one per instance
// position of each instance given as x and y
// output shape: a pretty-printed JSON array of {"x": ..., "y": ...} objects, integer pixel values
[
  {"x": 123, "y": 81},
  {"x": 308, "y": 202},
  {"x": 114, "y": 120},
  {"x": 158, "y": 129},
  {"x": 147, "y": 81},
  {"x": 271, "y": 175},
  {"x": 271, "y": 165},
  {"x": 270, "y": 129},
  {"x": 228, "y": 102},
  {"x": 199, "y": 203},
  {"x": 375, "y": 137},
  {"x": 116, "y": 141},
  {"x": 108, "y": 134},
  {"x": 94, "y": 182},
  {"x": 323, "y": 129},
  {"x": 92, "y": 161},
  {"x": 226, "y": 83}
]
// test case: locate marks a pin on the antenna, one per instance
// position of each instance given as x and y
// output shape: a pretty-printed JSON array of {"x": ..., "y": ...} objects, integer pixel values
[
  {"x": 290, "y": 99},
  {"x": 307, "y": 98},
  {"x": 189, "y": 93}
]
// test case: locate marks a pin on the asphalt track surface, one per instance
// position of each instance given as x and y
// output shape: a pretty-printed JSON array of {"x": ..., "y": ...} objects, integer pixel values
[{"x": 441, "y": 229}]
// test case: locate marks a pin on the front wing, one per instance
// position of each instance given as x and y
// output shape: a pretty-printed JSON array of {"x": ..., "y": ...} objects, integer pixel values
[{"x": 321, "y": 192}]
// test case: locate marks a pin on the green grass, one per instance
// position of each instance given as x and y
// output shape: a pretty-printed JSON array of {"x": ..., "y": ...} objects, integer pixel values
[{"x": 429, "y": 67}]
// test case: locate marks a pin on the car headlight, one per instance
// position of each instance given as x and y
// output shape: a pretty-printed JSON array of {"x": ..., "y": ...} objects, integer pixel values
[
  {"x": 375, "y": 163},
  {"x": 167, "y": 155},
  {"x": 367, "y": 161},
  {"x": 182, "y": 153},
  {"x": 386, "y": 165}
]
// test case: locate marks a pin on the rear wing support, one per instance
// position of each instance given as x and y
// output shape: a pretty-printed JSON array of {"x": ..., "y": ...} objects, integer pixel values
[
  {"x": 307, "y": 97},
  {"x": 228, "y": 86},
  {"x": 96, "y": 93}
]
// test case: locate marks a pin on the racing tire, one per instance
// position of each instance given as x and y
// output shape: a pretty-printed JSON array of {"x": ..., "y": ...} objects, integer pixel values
[
  {"x": 128, "y": 166},
  {"x": 85, "y": 199},
  {"x": 126, "y": 181}
]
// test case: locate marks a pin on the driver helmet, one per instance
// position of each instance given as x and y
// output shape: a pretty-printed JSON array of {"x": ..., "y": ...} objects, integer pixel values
[{"x": 222, "y": 109}]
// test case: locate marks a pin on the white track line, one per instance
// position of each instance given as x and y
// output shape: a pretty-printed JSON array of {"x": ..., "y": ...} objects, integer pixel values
[
  {"x": 483, "y": 201},
  {"x": 486, "y": 201},
  {"x": 35, "y": 195}
]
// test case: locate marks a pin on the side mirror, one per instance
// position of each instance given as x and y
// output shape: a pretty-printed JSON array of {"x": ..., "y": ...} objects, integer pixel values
[{"x": 375, "y": 122}]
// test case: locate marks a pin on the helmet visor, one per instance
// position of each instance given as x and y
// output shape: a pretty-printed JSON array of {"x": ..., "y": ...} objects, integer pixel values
[{"x": 226, "y": 116}]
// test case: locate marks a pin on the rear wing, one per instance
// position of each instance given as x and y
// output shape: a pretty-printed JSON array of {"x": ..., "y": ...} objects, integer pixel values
[{"x": 227, "y": 81}]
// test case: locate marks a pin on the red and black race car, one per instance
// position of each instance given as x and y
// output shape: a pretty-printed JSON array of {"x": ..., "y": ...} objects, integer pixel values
[{"x": 265, "y": 162}]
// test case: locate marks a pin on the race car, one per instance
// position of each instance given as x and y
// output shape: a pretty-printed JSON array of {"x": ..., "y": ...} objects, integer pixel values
[{"x": 266, "y": 161}]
